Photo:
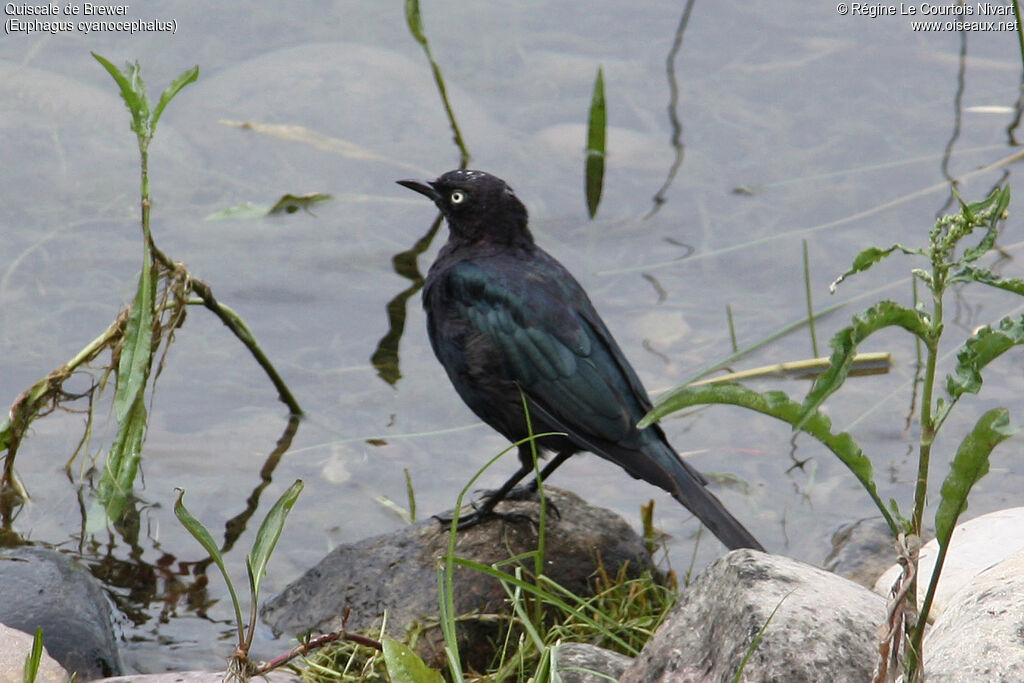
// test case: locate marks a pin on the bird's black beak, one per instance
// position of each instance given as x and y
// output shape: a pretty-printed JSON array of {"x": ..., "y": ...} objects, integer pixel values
[{"x": 424, "y": 188}]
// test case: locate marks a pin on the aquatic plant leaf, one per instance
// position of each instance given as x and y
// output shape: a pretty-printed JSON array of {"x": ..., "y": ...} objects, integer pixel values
[
  {"x": 405, "y": 666},
  {"x": 596, "y": 131},
  {"x": 200, "y": 533},
  {"x": 776, "y": 404},
  {"x": 267, "y": 536},
  {"x": 115, "y": 486},
  {"x": 290, "y": 203},
  {"x": 170, "y": 91},
  {"x": 137, "y": 343},
  {"x": 844, "y": 348},
  {"x": 969, "y": 465},
  {"x": 133, "y": 91},
  {"x": 415, "y": 21}
]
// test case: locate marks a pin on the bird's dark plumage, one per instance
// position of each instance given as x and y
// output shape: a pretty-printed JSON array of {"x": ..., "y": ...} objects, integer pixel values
[{"x": 504, "y": 316}]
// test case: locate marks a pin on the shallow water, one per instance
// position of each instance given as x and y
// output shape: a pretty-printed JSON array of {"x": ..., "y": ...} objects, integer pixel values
[{"x": 844, "y": 127}]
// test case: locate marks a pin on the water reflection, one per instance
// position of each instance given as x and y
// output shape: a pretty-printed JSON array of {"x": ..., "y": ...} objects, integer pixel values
[
  {"x": 673, "y": 115},
  {"x": 385, "y": 356}
]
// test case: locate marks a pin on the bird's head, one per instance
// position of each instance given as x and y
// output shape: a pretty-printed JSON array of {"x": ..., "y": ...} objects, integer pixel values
[{"x": 478, "y": 206}]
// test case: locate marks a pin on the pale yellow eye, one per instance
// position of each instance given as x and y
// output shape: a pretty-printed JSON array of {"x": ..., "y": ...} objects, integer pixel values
[{"x": 457, "y": 197}]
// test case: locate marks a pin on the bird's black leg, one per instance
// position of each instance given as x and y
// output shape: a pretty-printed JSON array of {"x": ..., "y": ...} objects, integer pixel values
[
  {"x": 485, "y": 508},
  {"x": 549, "y": 468}
]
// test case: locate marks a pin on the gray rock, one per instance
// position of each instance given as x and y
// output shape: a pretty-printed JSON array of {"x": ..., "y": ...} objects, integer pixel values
[
  {"x": 979, "y": 635},
  {"x": 823, "y": 629},
  {"x": 861, "y": 551},
  {"x": 47, "y": 589},
  {"x": 583, "y": 663},
  {"x": 397, "y": 573}
]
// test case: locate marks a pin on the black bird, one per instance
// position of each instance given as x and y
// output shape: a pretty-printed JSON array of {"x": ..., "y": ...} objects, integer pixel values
[{"x": 504, "y": 316}]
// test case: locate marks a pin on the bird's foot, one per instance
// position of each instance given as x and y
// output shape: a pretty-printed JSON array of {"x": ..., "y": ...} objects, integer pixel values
[
  {"x": 520, "y": 493},
  {"x": 479, "y": 515},
  {"x": 484, "y": 509}
]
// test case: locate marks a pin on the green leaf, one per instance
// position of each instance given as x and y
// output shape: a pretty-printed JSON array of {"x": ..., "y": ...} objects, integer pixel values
[
  {"x": 115, "y": 486},
  {"x": 988, "y": 212},
  {"x": 137, "y": 343},
  {"x": 31, "y": 668},
  {"x": 170, "y": 91},
  {"x": 870, "y": 257},
  {"x": 415, "y": 21},
  {"x": 844, "y": 345},
  {"x": 267, "y": 536},
  {"x": 776, "y": 404},
  {"x": 596, "y": 126},
  {"x": 133, "y": 91},
  {"x": 979, "y": 350},
  {"x": 405, "y": 666},
  {"x": 199, "y": 532},
  {"x": 969, "y": 465},
  {"x": 967, "y": 273}
]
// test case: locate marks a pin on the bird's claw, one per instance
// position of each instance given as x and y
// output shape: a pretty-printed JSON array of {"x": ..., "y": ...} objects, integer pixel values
[{"x": 482, "y": 512}]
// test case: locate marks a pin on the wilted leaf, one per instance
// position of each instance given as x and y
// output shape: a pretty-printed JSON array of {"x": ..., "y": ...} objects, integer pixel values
[{"x": 868, "y": 258}]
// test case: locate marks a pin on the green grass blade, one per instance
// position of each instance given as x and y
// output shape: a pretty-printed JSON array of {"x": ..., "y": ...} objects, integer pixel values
[
  {"x": 268, "y": 534},
  {"x": 199, "y": 532},
  {"x": 170, "y": 91},
  {"x": 31, "y": 668},
  {"x": 969, "y": 465},
  {"x": 757, "y": 639},
  {"x": 844, "y": 345},
  {"x": 405, "y": 666},
  {"x": 596, "y": 125},
  {"x": 446, "y": 615},
  {"x": 547, "y": 597},
  {"x": 776, "y": 404}
]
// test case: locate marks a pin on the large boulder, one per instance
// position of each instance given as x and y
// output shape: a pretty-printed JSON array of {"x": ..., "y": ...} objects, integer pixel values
[
  {"x": 816, "y": 626},
  {"x": 45, "y": 589},
  {"x": 396, "y": 573}
]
